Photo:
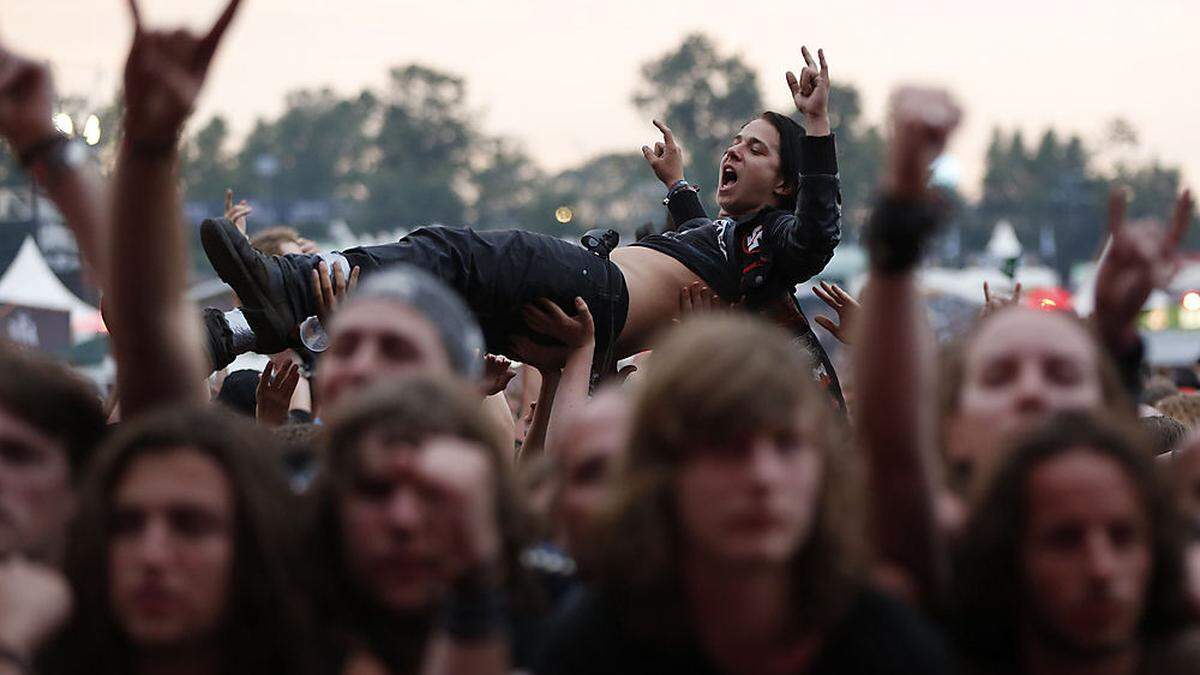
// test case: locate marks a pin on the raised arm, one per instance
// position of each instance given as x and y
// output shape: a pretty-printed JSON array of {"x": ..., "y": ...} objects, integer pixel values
[
  {"x": 894, "y": 364},
  {"x": 60, "y": 165},
  {"x": 666, "y": 161},
  {"x": 803, "y": 242},
  {"x": 535, "y": 436},
  {"x": 155, "y": 331},
  {"x": 1138, "y": 258},
  {"x": 578, "y": 334}
]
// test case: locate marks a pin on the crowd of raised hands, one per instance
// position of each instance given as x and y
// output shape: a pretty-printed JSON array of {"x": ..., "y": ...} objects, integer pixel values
[{"x": 991, "y": 505}]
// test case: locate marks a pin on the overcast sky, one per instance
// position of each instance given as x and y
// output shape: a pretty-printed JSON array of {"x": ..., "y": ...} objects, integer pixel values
[{"x": 557, "y": 74}]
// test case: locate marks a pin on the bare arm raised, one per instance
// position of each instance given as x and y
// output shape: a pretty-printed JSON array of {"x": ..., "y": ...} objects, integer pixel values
[
  {"x": 154, "y": 325},
  {"x": 578, "y": 333},
  {"x": 894, "y": 350},
  {"x": 60, "y": 166}
]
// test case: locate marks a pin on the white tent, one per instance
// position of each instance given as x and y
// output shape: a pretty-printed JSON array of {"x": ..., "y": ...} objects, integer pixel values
[
  {"x": 29, "y": 281},
  {"x": 1004, "y": 243}
]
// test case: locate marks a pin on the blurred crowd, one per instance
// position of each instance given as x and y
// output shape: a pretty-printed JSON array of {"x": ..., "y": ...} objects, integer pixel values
[{"x": 499, "y": 452}]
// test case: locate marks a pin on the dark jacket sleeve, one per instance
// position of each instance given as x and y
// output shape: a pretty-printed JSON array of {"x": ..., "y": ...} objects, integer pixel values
[
  {"x": 802, "y": 243},
  {"x": 686, "y": 210}
]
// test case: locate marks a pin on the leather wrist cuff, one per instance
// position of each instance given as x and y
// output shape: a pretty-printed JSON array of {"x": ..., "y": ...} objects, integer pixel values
[
  {"x": 29, "y": 155},
  {"x": 897, "y": 233}
]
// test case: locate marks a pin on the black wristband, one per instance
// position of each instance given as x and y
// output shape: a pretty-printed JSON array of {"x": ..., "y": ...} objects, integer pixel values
[
  {"x": 29, "y": 155},
  {"x": 897, "y": 233},
  {"x": 152, "y": 149},
  {"x": 15, "y": 658}
]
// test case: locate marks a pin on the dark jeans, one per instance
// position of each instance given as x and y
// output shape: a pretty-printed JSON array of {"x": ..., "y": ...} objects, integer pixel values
[{"x": 498, "y": 271}]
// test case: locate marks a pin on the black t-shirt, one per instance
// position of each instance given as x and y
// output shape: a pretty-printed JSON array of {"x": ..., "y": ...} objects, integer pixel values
[{"x": 877, "y": 636}]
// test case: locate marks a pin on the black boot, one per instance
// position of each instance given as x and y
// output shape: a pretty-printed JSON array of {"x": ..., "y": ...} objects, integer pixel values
[
  {"x": 226, "y": 342},
  {"x": 275, "y": 291},
  {"x": 221, "y": 351}
]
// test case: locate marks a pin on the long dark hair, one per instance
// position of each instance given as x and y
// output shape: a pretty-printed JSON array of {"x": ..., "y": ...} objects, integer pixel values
[
  {"x": 987, "y": 585},
  {"x": 53, "y": 399},
  {"x": 791, "y": 136},
  {"x": 416, "y": 407},
  {"x": 266, "y": 626}
]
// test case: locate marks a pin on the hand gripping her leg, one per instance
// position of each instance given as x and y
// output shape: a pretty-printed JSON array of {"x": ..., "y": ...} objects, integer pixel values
[{"x": 273, "y": 293}]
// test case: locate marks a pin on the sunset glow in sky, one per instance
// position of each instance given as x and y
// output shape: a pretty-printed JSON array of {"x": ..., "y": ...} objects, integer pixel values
[{"x": 557, "y": 75}]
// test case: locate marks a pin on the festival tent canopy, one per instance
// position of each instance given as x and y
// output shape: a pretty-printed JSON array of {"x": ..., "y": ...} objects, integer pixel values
[{"x": 29, "y": 281}]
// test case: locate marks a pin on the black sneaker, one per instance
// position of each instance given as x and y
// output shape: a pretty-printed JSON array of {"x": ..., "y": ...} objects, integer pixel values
[{"x": 260, "y": 281}]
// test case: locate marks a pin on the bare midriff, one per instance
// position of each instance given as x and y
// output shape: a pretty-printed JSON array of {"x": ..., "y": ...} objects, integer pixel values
[{"x": 654, "y": 280}]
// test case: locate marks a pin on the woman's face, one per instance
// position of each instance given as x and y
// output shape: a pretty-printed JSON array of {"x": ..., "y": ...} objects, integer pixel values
[
  {"x": 752, "y": 502},
  {"x": 1020, "y": 367},
  {"x": 171, "y": 548}
]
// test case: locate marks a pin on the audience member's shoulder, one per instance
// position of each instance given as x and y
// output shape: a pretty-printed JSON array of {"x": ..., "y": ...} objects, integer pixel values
[
  {"x": 582, "y": 627},
  {"x": 880, "y": 634},
  {"x": 586, "y": 637},
  {"x": 1177, "y": 655}
]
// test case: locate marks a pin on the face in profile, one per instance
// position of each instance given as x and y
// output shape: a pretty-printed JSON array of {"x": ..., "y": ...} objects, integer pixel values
[
  {"x": 1085, "y": 554},
  {"x": 752, "y": 501},
  {"x": 594, "y": 445},
  {"x": 171, "y": 548},
  {"x": 36, "y": 498},
  {"x": 390, "y": 542},
  {"x": 374, "y": 339},
  {"x": 749, "y": 176},
  {"x": 1021, "y": 366}
]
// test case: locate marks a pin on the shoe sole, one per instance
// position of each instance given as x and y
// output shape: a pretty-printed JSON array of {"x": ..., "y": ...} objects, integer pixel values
[{"x": 222, "y": 254}]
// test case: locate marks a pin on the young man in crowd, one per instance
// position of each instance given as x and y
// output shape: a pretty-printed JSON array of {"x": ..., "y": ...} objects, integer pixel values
[
  {"x": 587, "y": 456},
  {"x": 734, "y": 543},
  {"x": 183, "y": 559},
  {"x": 51, "y": 420},
  {"x": 419, "y": 533},
  {"x": 780, "y": 223},
  {"x": 1072, "y": 561},
  {"x": 1016, "y": 368},
  {"x": 140, "y": 524},
  {"x": 50, "y": 424}
]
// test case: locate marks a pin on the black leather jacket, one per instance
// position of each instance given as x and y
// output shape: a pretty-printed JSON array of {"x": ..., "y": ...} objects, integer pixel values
[{"x": 757, "y": 257}]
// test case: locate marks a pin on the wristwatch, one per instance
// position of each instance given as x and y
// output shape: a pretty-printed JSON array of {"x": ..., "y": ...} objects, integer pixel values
[{"x": 676, "y": 187}]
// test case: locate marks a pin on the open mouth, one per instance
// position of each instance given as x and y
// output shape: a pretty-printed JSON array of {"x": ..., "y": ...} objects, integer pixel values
[{"x": 728, "y": 178}]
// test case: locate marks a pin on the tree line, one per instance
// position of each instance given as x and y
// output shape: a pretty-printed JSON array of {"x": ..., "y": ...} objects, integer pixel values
[{"x": 412, "y": 153}]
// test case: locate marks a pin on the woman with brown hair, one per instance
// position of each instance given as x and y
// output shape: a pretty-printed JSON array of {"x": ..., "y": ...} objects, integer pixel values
[{"x": 735, "y": 543}]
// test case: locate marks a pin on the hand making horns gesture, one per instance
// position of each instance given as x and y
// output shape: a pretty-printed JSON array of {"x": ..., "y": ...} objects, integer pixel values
[
  {"x": 666, "y": 157},
  {"x": 1140, "y": 257},
  {"x": 163, "y": 77},
  {"x": 810, "y": 92}
]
